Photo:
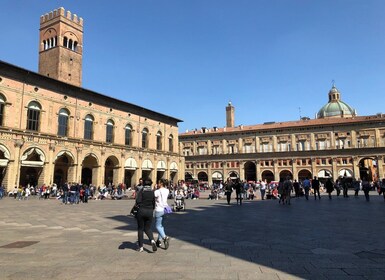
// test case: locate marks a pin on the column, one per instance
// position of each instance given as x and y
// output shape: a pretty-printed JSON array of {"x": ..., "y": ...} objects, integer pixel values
[
  {"x": 258, "y": 174},
  {"x": 257, "y": 144},
  {"x": 49, "y": 175},
  {"x": 353, "y": 134},
  {"x": 312, "y": 142},
  {"x": 241, "y": 170},
  {"x": 356, "y": 169},
  {"x": 101, "y": 170},
  {"x": 294, "y": 169},
  {"x": 209, "y": 150},
  {"x": 334, "y": 169},
  {"x": 314, "y": 167},
  {"x": 274, "y": 143},
  {"x": 17, "y": 163},
  {"x": 209, "y": 173},
  {"x": 332, "y": 141},
  {"x": 377, "y": 139},
  {"x": 78, "y": 165},
  {"x": 224, "y": 170},
  {"x": 276, "y": 173},
  {"x": 380, "y": 167},
  {"x": 240, "y": 146}
]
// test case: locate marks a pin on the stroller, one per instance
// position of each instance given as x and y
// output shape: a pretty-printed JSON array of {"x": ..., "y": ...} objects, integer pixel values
[{"x": 179, "y": 204}]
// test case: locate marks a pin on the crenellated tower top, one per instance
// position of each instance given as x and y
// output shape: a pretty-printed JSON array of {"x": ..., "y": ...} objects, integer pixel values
[{"x": 61, "y": 12}]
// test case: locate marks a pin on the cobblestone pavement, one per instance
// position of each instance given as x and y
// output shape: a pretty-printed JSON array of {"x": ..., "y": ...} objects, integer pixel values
[{"x": 340, "y": 238}]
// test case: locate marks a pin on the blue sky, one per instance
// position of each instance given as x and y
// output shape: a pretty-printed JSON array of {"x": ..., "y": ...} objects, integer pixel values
[{"x": 189, "y": 58}]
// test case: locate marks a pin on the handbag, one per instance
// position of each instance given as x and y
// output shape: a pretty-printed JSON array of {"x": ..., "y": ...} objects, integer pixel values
[
  {"x": 134, "y": 210},
  {"x": 167, "y": 208}
]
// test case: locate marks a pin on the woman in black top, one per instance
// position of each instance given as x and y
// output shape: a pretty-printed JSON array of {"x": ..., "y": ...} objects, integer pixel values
[{"x": 146, "y": 202}]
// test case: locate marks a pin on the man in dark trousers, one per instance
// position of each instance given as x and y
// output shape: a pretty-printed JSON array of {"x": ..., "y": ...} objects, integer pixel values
[
  {"x": 228, "y": 189},
  {"x": 315, "y": 186},
  {"x": 239, "y": 191}
]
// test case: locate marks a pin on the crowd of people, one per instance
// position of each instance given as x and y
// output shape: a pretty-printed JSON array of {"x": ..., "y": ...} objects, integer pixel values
[{"x": 286, "y": 188}]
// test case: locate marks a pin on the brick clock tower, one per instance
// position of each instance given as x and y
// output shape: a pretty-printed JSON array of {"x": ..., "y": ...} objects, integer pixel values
[
  {"x": 230, "y": 112},
  {"x": 61, "y": 46}
]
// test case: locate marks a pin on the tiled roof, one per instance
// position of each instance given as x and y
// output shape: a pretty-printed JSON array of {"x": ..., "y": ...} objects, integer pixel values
[{"x": 288, "y": 124}]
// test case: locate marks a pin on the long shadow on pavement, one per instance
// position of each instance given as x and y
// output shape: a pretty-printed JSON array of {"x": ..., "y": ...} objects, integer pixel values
[{"x": 325, "y": 238}]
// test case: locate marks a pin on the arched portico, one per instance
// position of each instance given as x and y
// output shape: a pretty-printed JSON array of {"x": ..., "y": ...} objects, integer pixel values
[
  {"x": 285, "y": 173},
  {"x": 130, "y": 167},
  {"x": 111, "y": 170},
  {"x": 160, "y": 170},
  {"x": 267, "y": 176},
  {"x": 32, "y": 163},
  {"x": 250, "y": 171},
  {"x": 90, "y": 168},
  {"x": 174, "y": 172},
  {"x": 303, "y": 174},
  {"x": 64, "y": 170}
]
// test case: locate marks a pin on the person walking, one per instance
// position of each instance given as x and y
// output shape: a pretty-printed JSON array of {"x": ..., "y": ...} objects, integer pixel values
[
  {"x": 345, "y": 186},
  {"x": 382, "y": 187},
  {"x": 315, "y": 185},
  {"x": 329, "y": 187},
  {"x": 366, "y": 188},
  {"x": 356, "y": 186},
  {"x": 262, "y": 189},
  {"x": 161, "y": 195},
  {"x": 238, "y": 191},
  {"x": 306, "y": 187},
  {"x": 296, "y": 188},
  {"x": 145, "y": 200},
  {"x": 228, "y": 190},
  {"x": 287, "y": 188}
]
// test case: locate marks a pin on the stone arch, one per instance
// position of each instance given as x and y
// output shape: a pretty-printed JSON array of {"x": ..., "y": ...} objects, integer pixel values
[
  {"x": 188, "y": 177},
  {"x": 161, "y": 168},
  {"x": 324, "y": 174},
  {"x": 202, "y": 176},
  {"x": 90, "y": 169},
  {"x": 147, "y": 169},
  {"x": 4, "y": 159},
  {"x": 64, "y": 168},
  {"x": 250, "y": 171},
  {"x": 111, "y": 170},
  {"x": 303, "y": 174},
  {"x": 268, "y": 176},
  {"x": 130, "y": 167},
  {"x": 345, "y": 172},
  {"x": 368, "y": 168},
  {"x": 217, "y": 177},
  {"x": 32, "y": 163},
  {"x": 285, "y": 173}
]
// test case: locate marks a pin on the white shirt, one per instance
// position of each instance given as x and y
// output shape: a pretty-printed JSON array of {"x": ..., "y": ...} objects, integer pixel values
[{"x": 161, "y": 196}]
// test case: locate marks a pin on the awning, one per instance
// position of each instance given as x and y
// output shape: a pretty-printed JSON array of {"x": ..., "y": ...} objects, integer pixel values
[
  {"x": 324, "y": 174},
  {"x": 173, "y": 167},
  {"x": 345, "y": 173},
  {"x": 161, "y": 166},
  {"x": 130, "y": 164},
  {"x": 30, "y": 163},
  {"x": 147, "y": 165},
  {"x": 217, "y": 176}
]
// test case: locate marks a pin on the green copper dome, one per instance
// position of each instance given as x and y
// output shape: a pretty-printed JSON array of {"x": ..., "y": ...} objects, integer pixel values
[{"x": 335, "y": 107}]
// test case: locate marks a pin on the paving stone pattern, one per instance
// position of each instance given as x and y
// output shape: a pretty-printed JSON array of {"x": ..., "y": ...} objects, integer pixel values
[{"x": 340, "y": 238}]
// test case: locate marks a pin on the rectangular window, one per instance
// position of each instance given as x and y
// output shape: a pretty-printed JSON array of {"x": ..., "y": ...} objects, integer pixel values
[
  {"x": 109, "y": 133},
  {"x": 63, "y": 124},
  {"x": 1, "y": 113},
  {"x": 88, "y": 130},
  {"x": 127, "y": 137},
  {"x": 33, "y": 120}
]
